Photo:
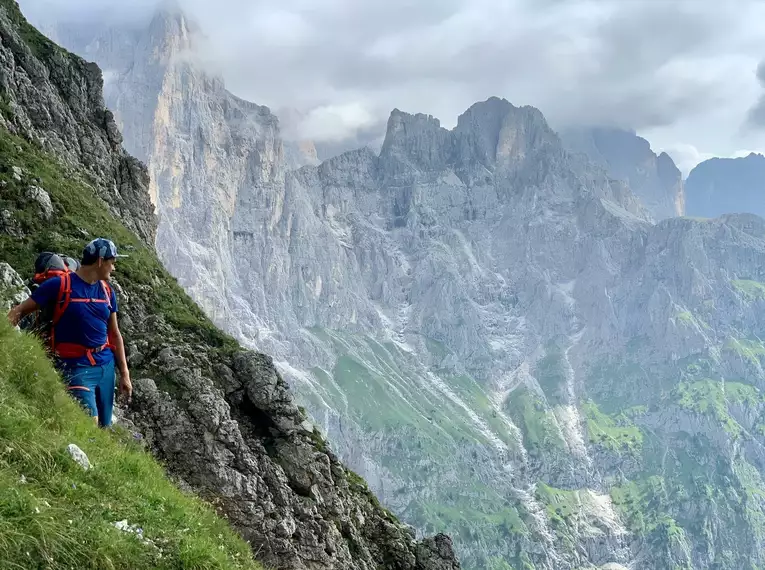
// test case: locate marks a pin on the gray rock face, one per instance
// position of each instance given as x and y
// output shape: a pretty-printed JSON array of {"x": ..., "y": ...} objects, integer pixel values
[
  {"x": 236, "y": 139},
  {"x": 489, "y": 328},
  {"x": 727, "y": 186},
  {"x": 12, "y": 288},
  {"x": 625, "y": 156},
  {"x": 293, "y": 504},
  {"x": 37, "y": 194}
]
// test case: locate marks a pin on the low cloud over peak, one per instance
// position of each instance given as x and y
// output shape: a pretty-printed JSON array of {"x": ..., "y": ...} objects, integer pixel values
[{"x": 665, "y": 69}]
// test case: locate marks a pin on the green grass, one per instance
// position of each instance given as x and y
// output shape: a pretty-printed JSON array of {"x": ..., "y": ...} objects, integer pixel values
[
  {"x": 689, "y": 319},
  {"x": 495, "y": 563},
  {"x": 474, "y": 395},
  {"x": 537, "y": 424},
  {"x": 710, "y": 397},
  {"x": 696, "y": 491},
  {"x": 560, "y": 504},
  {"x": 642, "y": 503},
  {"x": 617, "y": 434},
  {"x": 40, "y": 45},
  {"x": 747, "y": 349},
  {"x": 387, "y": 393},
  {"x": 55, "y": 515},
  {"x": 472, "y": 511},
  {"x": 686, "y": 317}
]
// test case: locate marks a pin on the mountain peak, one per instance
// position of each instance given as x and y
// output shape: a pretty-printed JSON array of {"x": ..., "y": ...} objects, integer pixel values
[
  {"x": 495, "y": 131},
  {"x": 168, "y": 18},
  {"x": 401, "y": 120},
  {"x": 726, "y": 185},
  {"x": 420, "y": 138},
  {"x": 171, "y": 32}
]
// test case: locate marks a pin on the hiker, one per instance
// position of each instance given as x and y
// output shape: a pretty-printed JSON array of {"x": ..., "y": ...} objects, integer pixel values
[{"x": 84, "y": 337}]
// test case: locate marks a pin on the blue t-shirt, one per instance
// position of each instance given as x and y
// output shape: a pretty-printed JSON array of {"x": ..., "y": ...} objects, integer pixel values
[{"x": 82, "y": 323}]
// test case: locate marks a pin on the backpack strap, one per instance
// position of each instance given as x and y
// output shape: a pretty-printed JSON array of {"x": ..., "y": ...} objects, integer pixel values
[
  {"x": 109, "y": 337},
  {"x": 108, "y": 291},
  {"x": 62, "y": 303},
  {"x": 72, "y": 350}
]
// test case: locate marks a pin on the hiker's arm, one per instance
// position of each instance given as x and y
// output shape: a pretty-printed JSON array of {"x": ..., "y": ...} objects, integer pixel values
[
  {"x": 119, "y": 353},
  {"x": 22, "y": 310},
  {"x": 41, "y": 297}
]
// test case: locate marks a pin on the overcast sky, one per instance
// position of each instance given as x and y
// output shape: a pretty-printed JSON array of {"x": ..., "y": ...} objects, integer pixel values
[{"x": 683, "y": 74}]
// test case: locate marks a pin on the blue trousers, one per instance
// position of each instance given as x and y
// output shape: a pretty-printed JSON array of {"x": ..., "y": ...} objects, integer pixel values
[{"x": 93, "y": 387}]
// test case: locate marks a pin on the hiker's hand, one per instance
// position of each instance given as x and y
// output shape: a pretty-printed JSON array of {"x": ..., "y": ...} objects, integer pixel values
[
  {"x": 126, "y": 387},
  {"x": 22, "y": 310}
]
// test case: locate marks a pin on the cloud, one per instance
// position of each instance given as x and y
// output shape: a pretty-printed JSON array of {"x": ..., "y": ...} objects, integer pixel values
[
  {"x": 333, "y": 122},
  {"x": 756, "y": 115},
  {"x": 346, "y": 64}
]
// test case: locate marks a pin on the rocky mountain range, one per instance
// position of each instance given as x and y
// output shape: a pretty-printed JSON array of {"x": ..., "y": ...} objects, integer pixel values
[{"x": 512, "y": 341}]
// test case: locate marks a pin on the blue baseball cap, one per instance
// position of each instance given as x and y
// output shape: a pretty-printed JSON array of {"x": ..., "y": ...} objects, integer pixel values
[{"x": 99, "y": 248}]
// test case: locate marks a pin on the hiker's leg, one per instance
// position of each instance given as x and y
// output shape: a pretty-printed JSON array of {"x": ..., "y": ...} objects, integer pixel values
[
  {"x": 105, "y": 394},
  {"x": 81, "y": 384}
]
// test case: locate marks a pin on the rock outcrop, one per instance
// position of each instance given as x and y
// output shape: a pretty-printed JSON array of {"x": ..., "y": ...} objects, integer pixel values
[{"x": 220, "y": 417}]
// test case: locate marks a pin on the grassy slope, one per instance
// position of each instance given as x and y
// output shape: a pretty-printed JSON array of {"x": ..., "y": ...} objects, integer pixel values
[{"x": 53, "y": 514}]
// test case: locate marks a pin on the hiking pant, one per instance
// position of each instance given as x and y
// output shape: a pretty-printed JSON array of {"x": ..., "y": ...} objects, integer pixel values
[{"x": 93, "y": 387}]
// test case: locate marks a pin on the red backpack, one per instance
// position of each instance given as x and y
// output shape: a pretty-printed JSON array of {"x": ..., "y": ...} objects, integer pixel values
[{"x": 47, "y": 266}]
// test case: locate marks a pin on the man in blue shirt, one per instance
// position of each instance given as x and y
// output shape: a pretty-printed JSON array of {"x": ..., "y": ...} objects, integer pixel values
[{"x": 85, "y": 338}]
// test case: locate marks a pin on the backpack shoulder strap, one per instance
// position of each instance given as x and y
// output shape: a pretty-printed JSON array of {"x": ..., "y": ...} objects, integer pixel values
[
  {"x": 109, "y": 337},
  {"x": 62, "y": 302},
  {"x": 64, "y": 297},
  {"x": 108, "y": 292}
]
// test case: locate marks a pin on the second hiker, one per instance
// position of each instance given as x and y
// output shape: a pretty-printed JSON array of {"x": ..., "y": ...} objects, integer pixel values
[{"x": 85, "y": 338}]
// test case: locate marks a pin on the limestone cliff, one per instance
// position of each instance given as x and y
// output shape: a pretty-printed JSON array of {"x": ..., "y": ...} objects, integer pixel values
[
  {"x": 221, "y": 418},
  {"x": 488, "y": 326}
]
